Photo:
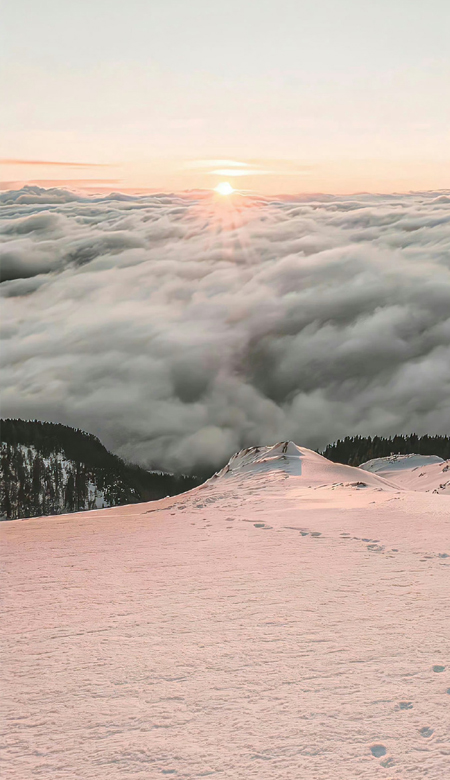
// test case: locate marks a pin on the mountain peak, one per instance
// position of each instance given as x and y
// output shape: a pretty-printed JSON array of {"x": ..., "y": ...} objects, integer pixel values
[{"x": 292, "y": 460}]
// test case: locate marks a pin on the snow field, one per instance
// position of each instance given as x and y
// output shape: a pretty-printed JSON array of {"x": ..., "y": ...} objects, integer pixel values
[{"x": 281, "y": 621}]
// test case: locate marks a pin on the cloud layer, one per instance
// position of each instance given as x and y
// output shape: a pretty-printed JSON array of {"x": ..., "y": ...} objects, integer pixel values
[{"x": 180, "y": 329}]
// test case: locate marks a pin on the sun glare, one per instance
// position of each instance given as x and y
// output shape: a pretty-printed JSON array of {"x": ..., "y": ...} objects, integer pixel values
[{"x": 224, "y": 188}]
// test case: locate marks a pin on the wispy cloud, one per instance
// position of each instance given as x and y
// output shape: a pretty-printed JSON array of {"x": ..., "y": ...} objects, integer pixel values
[
  {"x": 216, "y": 163},
  {"x": 83, "y": 184},
  {"x": 72, "y": 182},
  {"x": 57, "y": 163},
  {"x": 231, "y": 168},
  {"x": 256, "y": 172},
  {"x": 239, "y": 172}
]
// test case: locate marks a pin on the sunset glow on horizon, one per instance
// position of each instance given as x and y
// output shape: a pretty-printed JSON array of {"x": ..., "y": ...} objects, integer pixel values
[
  {"x": 224, "y": 188},
  {"x": 321, "y": 97}
]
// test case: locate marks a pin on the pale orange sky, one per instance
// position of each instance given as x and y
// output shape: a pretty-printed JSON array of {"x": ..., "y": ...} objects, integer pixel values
[
  {"x": 343, "y": 176},
  {"x": 276, "y": 97}
]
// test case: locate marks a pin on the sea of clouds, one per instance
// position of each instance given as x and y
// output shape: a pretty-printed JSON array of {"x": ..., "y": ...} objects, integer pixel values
[{"x": 181, "y": 328}]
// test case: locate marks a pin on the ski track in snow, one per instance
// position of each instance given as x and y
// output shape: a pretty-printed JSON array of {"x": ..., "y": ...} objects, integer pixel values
[{"x": 265, "y": 625}]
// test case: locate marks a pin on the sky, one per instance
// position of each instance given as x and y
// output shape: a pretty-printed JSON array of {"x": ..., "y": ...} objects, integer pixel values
[{"x": 276, "y": 97}]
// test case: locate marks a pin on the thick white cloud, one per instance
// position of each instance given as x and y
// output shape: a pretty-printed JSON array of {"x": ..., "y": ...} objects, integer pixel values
[{"x": 179, "y": 330}]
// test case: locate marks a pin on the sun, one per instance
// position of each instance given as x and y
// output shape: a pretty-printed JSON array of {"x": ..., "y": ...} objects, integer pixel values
[{"x": 224, "y": 188}]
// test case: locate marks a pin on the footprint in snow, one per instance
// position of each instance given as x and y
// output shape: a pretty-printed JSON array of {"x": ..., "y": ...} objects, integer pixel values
[{"x": 378, "y": 750}]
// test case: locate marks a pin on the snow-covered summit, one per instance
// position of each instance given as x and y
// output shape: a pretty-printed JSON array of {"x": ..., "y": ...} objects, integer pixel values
[
  {"x": 289, "y": 459},
  {"x": 277, "y": 456}
]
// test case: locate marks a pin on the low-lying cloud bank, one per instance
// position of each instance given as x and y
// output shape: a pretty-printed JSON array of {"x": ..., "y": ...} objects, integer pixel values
[{"x": 180, "y": 329}]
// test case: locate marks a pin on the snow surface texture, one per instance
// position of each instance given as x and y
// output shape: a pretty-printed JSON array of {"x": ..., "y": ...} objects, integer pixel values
[
  {"x": 289, "y": 619},
  {"x": 180, "y": 329}
]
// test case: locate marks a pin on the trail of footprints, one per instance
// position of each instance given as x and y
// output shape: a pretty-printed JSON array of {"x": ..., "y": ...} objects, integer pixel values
[
  {"x": 302, "y": 531},
  {"x": 372, "y": 545},
  {"x": 378, "y": 750}
]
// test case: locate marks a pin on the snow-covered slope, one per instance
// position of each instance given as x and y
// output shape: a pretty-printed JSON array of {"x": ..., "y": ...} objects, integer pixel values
[
  {"x": 426, "y": 473},
  {"x": 279, "y": 621}
]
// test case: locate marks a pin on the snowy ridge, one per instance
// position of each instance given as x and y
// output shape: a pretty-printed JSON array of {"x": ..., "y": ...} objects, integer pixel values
[
  {"x": 400, "y": 462},
  {"x": 291, "y": 460},
  {"x": 424, "y": 473}
]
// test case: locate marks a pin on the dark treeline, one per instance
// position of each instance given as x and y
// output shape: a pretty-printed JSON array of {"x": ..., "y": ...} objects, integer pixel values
[
  {"x": 49, "y": 468},
  {"x": 355, "y": 450},
  {"x": 48, "y": 437}
]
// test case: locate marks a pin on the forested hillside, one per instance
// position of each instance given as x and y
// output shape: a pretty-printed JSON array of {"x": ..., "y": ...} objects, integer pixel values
[
  {"x": 355, "y": 450},
  {"x": 48, "y": 468}
]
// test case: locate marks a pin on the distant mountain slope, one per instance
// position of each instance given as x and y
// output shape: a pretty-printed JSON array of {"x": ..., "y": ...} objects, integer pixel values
[
  {"x": 355, "y": 450},
  {"x": 49, "y": 468},
  {"x": 425, "y": 473}
]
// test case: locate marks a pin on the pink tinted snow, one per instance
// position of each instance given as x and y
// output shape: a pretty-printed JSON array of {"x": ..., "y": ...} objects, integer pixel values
[
  {"x": 281, "y": 621},
  {"x": 425, "y": 473}
]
